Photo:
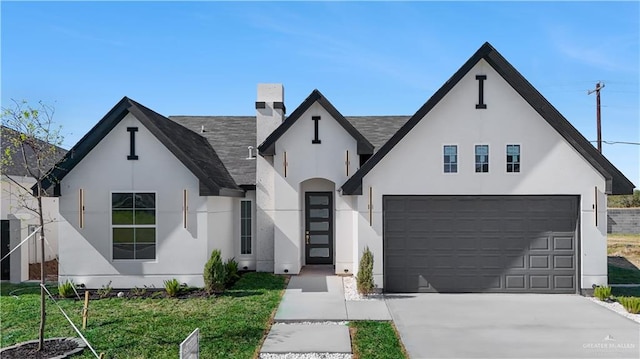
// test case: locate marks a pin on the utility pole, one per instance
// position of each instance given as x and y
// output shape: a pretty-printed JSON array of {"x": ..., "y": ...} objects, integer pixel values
[{"x": 599, "y": 86}]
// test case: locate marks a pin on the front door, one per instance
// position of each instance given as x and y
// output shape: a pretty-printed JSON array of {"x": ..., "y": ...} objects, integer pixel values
[
  {"x": 318, "y": 227},
  {"x": 4, "y": 236}
]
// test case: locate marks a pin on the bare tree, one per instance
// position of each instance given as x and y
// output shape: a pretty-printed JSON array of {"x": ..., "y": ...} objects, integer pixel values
[{"x": 34, "y": 145}]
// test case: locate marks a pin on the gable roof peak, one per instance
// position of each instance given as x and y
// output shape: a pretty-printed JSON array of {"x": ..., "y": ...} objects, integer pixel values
[
  {"x": 268, "y": 146},
  {"x": 616, "y": 182},
  {"x": 193, "y": 150}
]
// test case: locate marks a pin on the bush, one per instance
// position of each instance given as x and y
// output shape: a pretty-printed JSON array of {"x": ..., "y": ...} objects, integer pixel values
[
  {"x": 137, "y": 292},
  {"x": 172, "y": 286},
  {"x": 105, "y": 290},
  {"x": 365, "y": 273},
  {"x": 66, "y": 289},
  {"x": 625, "y": 200},
  {"x": 602, "y": 293},
  {"x": 215, "y": 273},
  {"x": 231, "y": 267},
  {"x": 631, "y": 304}
]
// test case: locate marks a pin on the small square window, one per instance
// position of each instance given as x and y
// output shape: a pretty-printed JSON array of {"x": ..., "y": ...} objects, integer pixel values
[
  {"x": 450, "y": 159},
  {"x": 482, "y": 158},
  {"x": 513, "y": 158}
]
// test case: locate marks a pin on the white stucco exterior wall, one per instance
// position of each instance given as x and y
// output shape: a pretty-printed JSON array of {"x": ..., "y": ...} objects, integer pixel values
[
  {"x": 267, "y": 120},
  {"x": 549, "y": 165},
  {"x": 321, "y": 163},
  {"x": 86, "y": 253},
  {"x": 13, "y": 202}
]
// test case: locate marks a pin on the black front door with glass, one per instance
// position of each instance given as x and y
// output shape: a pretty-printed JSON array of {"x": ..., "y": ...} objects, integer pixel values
[{"x": 318, "y": 227}]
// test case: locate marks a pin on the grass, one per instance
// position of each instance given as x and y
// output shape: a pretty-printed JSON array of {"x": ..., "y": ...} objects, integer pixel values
[
  {"x": 619, "y": 275},
  {"x": 231, "y": 325},
  {"x": 375, "y": 340}
]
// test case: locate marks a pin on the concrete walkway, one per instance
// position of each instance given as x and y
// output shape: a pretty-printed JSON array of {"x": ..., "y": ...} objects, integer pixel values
[{"x": 313, "y": 313}]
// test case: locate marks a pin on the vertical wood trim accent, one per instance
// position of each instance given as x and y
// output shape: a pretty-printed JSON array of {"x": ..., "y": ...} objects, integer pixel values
[
  {"x": 347, "y": 163},
  {"x": 185, "y": 207},
  {"x": 596, "y": 205},
  {"x": 370, "y": 206},
  {"x": 81, "y": 208},
  {"x": 285, "y": 163}
]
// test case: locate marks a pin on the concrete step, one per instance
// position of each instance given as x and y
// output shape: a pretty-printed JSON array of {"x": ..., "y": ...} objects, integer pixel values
[{"x": 307, "y": 338}]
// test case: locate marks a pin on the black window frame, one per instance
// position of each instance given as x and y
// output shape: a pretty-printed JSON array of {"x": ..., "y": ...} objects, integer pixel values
[{"x": 139, "y": 207}]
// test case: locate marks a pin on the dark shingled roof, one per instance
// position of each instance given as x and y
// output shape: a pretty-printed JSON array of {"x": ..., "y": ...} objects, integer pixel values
[
  {"x": 616, "y": 182},
  {"x": 16, "y": 166},
  {"x": 377, "y": 129},
  {"x": 231, "y": 135},
  {"x": 192, "y": 150}
]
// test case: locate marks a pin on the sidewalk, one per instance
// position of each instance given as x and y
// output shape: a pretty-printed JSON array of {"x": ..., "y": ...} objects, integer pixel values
[{"x": 313, "y": 315}]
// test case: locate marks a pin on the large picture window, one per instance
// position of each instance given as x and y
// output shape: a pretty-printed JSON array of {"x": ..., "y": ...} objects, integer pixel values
[
  {"x": 133, "y": 225},
  {"x": 245, "y": 227}
]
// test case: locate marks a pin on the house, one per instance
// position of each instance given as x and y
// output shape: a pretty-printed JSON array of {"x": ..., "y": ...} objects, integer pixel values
[
  {"x": 486, "y": 188},
  {"x": 18, "y": 222}
]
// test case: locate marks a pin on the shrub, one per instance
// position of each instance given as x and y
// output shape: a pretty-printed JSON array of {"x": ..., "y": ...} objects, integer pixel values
[
  {"x": 172, "y": 286},
  {"x": 365, "y": 273},
  {"x": 631, "y": 304},
  {"x": 231, "y": 267},
  {"x": 602, "y": 293},
  {"x": 66, "y": 289},
  {"x": 624, "y": 201},
  {"x": 138, "y": 292},
  {"x": 215, "y": 273},
  {"x": 105, "y": 290}
]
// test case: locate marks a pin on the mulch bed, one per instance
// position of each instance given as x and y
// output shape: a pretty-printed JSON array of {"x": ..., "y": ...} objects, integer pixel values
[
  {"x": 50, "y": 270},
  {"x": 53, "y": 348},
  {"x": 154, "y": 293}
]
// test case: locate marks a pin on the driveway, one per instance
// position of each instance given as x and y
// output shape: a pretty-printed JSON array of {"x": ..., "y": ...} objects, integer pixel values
[{"x": 511, "y": 326}]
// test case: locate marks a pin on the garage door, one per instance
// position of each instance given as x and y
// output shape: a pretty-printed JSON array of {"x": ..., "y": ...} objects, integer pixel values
[{"x": 480, "y": 244}]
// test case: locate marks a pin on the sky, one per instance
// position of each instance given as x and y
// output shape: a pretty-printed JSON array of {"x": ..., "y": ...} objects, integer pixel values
[{"x": 367, "y": 58}]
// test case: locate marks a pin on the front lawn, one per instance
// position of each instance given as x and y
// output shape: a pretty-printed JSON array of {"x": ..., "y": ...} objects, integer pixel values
[
  {"x": 231, "y": 326},
  {"x": 375, "y": 340}
]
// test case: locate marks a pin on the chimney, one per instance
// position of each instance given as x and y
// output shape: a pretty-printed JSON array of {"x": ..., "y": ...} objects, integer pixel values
[{"x": 270, "y": 110}]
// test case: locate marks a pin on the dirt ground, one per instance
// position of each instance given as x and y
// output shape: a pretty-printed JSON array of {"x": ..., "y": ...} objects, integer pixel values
[
  {"x": 623, "y": 250},
  {"x": 50, "y": 270}
]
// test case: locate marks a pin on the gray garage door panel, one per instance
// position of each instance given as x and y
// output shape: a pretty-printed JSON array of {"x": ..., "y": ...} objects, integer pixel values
[{"x": 480, "y": 244}]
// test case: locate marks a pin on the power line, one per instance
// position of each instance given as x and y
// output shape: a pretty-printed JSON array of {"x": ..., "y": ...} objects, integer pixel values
[{"x": 618, "y": 142}]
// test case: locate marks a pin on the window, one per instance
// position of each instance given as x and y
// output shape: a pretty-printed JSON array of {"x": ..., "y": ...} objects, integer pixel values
[
  {"x": 245, "y": 227},
  {"x": 133, "y": 225},
  {"x": 513, "y": 158},
  {"x": 482, "y": 158},
  {"x": 450, "y": 159}
]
